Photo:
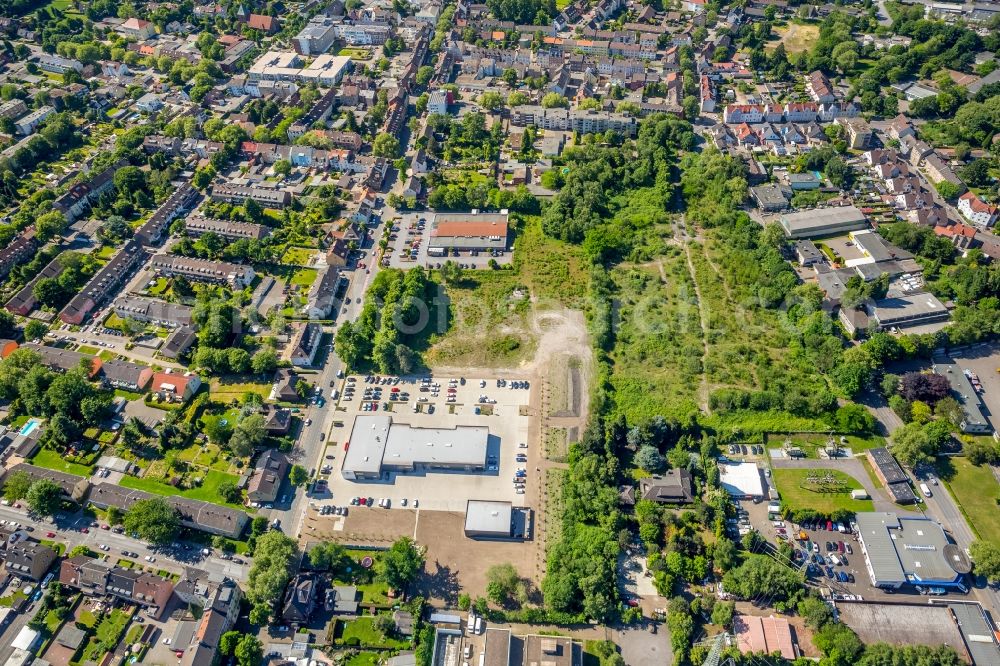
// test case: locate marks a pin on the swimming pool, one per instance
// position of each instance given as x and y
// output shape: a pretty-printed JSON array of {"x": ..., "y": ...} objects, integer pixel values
[{"x": 29, "y": 427}]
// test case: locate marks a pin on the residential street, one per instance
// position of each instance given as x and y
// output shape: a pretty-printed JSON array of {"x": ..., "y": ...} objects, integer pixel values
[
  {"x": 67, "y": 531},
  {"x": 308, "y": 451}
]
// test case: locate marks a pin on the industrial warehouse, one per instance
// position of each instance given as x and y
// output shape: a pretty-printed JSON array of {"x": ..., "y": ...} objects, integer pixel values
[
  {"x": 909, "y": 550},
  {"x": 378, "y": 446}
]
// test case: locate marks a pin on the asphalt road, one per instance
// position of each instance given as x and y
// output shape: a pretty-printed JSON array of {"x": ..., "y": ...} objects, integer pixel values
[{"x": 309, "y": 448}]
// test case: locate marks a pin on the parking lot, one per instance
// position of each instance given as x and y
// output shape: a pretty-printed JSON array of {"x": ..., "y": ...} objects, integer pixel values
[
  {"x": 411, "y": 235},
  {"x": 454, "y": 402},
  {"x": 984, "y": 360}
]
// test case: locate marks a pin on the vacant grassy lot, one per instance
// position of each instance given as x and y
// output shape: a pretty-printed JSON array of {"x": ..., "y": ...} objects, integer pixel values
[
  {"x": 796, "y": 37},
  {"x": 797, "y": 493},
  {"x": 225, "y": 389},
  {"x": 297, "y": 256},
  {"x": 976, "y": 491},
  {"x": 489, "y": 311},
  {"x": 657, "y": 355},
  {"x": 488, "y": 322},
  {"x": 208, "y": 491}
]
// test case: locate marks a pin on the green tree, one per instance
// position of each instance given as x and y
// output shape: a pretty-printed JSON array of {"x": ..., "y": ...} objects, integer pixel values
[
  {"x": 400, "y": 564},
  {"x": 282, "y": 167},
  {"x": 248, "y": 434},
  {"x": 16, "y": 487},
  {"x": 502, "y": 581},
  {"x": 327, "y": 555},
  {"x": 35, "y": 330},
  {"x": 986, "y": 556},
  {"x": 649, "y": 459},
  {"x": 450, "y": 272},
  {"x": 912, "y": 445},
  {"x": 948, "y": 190},
  {"x": 249, "y": 651},
  {"x": 264, "y": 361},
  {"x": 385, "y": 145},
  {"x": 228, "y": 642},
  {"x": 424, "y": 75},
  {"x": 554, "y": 100},
  {"x": 154, "y": 520},
  {"x": 273, "y": 557},
  {"x": 298, "y": 475},
  {"x": 722, "y": 613},
  {"x": 491, "y": 101},
  {"x": 44, "y": 497}
]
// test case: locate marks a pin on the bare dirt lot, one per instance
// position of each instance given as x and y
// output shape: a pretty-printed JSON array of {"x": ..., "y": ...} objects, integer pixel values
[
  {"x": 454, "y": 562},
  {"x": 796, "y": 37}
]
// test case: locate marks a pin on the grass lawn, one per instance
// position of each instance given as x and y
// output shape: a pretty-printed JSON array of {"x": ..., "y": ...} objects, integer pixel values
[
  {"x": 224, "y": 389},
  {"x": 50, "y": 459},
  {"x": 298, "y": 256},
  {"x": 374, "y": 593},
  {"x": 208, "y": 491},
  {"x": 108, "y": 633},
  {"x": 976, "y": 492},
  {"x": 114, "y": 322},
  {"x": 304, "y": 277},
  {"x": 159, "y": 287},
  {"x": 105, "y": 252},
  {"x": 796, "y": 493},
  {"x": 355, "y": 53},
  {"x": 367, "y": 635},
  {"x": 86, "y": 349}
]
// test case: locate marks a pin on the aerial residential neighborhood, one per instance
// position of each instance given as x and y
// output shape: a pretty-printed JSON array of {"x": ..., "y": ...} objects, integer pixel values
[{"x": 521, "y": 333}]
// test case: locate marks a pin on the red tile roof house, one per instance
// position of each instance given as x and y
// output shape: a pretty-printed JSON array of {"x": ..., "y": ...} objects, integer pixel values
[
  {"x": 764, "y": 635},
  {"x": 267, "y": 24},
  {"x": 176, "y": 385}
]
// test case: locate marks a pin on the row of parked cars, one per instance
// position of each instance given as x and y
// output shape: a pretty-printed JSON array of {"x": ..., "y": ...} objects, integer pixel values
[{"x": 743, "y": 449}]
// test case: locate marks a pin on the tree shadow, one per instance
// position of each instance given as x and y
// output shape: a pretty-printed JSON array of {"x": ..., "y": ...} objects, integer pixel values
[
  {"x": 946, "y": 468},
  {"x": 441, "y": 583}
]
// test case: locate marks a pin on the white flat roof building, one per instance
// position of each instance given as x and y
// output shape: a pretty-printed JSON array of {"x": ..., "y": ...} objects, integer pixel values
[
  {"x": 378, "y": 445},
  {"x": 325, "y": 70},
  {"x": 488, "y": 519},
  {"x": 741, "y": 479},
  {"x": 823, "y": 222}
]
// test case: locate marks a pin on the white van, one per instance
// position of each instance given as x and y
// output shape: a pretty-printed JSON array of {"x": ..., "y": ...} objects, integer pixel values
[{"x": 925, "y": 489}]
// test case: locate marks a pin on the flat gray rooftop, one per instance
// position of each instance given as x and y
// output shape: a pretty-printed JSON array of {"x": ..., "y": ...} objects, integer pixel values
[
  {"x": 376, "y": 442},
  {"x": 487, "y": 516},
  {"x": 903, "y": 548}
]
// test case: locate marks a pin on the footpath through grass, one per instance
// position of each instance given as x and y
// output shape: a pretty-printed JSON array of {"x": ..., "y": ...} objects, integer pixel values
[{"x": 976, "y": 492}]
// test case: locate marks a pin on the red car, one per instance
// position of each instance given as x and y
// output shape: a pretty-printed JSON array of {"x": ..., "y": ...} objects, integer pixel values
[
  {"x": 85, "y": 530},
  {"x": 50, "y": 535},
  {"x": 829, "y": 526},
  {"x": 105, "y": 527},
  {"x": 633, "y": 602},
  {"x": 363, "y": 501}
]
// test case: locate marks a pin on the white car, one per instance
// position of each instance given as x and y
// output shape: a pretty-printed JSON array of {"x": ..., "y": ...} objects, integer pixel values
[
  {"x": 522, "y": 445},
  {"x": 150, "y": 558},
  {"x": 104, "y": 547},
  {"x": 309, "y": 422}
]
